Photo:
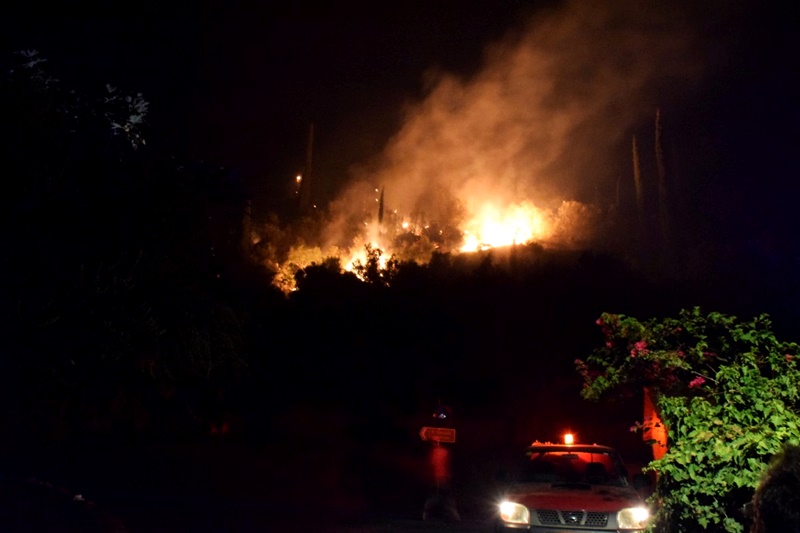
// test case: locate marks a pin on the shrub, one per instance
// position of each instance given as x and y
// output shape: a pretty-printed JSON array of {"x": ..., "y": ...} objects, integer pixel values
[{"x": 727, "y": 390}]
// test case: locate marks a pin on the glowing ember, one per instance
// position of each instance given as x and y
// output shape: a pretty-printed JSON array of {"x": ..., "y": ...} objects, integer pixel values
[{"x": 518, "y": 224}]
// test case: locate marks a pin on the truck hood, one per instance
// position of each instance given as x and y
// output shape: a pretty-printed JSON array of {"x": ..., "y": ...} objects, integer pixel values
[{"x": 563, "y": 496}]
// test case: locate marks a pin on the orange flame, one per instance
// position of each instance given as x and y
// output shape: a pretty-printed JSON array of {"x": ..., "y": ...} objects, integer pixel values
[
  {"x": 516, "y": 224},
  {"x": 490, "y": 226}
]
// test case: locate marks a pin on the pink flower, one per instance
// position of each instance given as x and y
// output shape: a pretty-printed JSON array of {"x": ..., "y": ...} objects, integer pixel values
[
  {"x": 789, "y": 358},
  {"x": 696, "y": 382},
  {"x": 599, "y": 322},
  {"x": 609, "y": 344},
  {"x": 639, "y": 348},
  {"x": 582, "y": 368}
]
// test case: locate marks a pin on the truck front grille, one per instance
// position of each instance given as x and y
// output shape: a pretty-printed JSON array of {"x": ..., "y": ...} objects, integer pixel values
[{"x": 550, "y": 517}]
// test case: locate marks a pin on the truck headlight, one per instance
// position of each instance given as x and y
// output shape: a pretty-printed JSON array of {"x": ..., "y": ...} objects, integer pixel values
[
  {"x": 515, "y": 513},
  {"x": 633, "y": 518}
]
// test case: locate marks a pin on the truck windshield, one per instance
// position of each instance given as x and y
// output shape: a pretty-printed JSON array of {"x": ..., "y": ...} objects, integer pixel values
[{"x": 572, "y": 466}]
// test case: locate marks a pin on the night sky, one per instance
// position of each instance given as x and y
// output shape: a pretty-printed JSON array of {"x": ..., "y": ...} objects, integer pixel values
[
  {"x": 240, "y": 81},
  {"x": 528, "y": 98},
  {"x": 238, "y": 84}
]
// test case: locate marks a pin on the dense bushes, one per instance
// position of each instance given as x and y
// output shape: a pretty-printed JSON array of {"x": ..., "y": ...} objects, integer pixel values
[{"x": 727, "y": 390}]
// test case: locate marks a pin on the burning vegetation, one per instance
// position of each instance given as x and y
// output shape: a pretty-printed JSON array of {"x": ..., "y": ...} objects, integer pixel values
[
  {"x": 530, "y": 148},
  {"x": 378, "y": 241}
]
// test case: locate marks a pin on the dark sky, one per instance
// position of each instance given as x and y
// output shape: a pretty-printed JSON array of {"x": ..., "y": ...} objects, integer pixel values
[{"x": 239, "y": 82}]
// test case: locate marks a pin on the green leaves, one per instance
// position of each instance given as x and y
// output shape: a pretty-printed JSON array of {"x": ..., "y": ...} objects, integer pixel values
[{"x": 728, "y": 391}]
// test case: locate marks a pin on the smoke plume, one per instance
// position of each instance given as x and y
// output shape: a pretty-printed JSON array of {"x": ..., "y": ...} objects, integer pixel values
[{"x": 546, "y": 119}]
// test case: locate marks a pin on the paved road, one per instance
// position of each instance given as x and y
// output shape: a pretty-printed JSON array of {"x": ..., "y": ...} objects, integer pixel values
[{"x": 413, "y": 526}]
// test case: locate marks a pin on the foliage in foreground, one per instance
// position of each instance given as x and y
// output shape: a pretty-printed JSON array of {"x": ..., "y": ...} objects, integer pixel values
[{"x": 727, "y": 390}]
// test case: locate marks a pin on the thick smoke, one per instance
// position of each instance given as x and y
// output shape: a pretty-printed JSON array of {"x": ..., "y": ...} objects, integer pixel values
[{"x": 547, "y": 119}]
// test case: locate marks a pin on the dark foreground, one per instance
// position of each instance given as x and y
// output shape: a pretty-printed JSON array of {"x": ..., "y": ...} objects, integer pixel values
[
  {"x": 221, "y": 484},
  {"x": 308, "y": 473}
]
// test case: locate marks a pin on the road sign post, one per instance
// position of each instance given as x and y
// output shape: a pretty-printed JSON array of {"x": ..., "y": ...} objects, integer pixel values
[{"x": 438, "y": 434}]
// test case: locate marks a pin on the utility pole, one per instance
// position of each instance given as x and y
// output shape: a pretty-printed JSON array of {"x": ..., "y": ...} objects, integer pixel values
[
  {"x": 638, "y": 185},
  {"x": 663, "y": 200},
  {"x": 305, "y": 186},
  {"x": 380, "y": 209}
]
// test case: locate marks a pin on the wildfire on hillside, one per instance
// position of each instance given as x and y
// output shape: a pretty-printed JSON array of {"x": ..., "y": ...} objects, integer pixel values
[
  {"x": 501, "y": 157},
  {"x": 406, "y": 238},
  {"x": 517, "y": 224}
]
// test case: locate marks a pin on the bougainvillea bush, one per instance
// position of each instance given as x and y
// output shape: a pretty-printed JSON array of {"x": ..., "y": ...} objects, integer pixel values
[{"x": 728, "y": 392}]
